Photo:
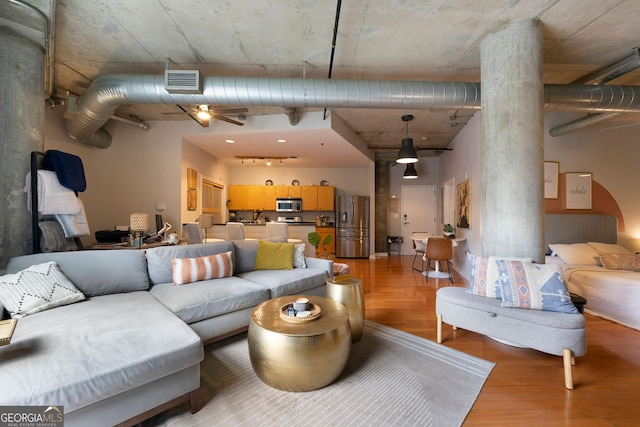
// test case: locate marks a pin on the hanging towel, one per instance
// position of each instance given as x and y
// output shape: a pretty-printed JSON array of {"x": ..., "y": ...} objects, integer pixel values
[
  {"x": 74, "y": 225},
  {"x": 53, "y": 198},
  {"x": 68, "y": 168}
]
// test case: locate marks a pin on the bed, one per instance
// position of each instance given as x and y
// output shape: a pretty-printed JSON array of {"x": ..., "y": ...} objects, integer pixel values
[{"x": 581, "y": 243}]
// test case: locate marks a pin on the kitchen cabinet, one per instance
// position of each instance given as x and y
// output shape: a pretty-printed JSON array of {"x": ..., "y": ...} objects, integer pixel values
[
  {"x": 260, "y": 198},
  {"x": 237, "y": 195},
  {"x": 309, "y": 198},
  {"x": 323, "y": 232},
  {"x": 287, "y": 191},
  {"x": 325, "y": 198}
]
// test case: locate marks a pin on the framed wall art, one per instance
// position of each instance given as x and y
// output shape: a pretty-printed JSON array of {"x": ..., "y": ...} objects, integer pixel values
[
  {"x": 551, "y": 171},
  {"x": 463, "y": 202},
  {"x": 577, "y": 190}
]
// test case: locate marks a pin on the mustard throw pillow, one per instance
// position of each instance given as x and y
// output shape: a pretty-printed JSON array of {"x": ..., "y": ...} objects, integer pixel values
[{"x": 274, "y": 256}]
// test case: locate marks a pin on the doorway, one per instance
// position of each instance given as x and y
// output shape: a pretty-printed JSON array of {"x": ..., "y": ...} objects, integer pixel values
[{"x": 418, "y": 212}]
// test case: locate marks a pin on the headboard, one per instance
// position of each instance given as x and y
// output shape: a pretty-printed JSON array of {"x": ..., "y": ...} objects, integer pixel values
[{"x": 579, "y": 228}]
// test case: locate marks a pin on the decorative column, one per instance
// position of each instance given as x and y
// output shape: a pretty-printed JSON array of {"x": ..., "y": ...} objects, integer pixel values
[
  {"x": 513, "y": 141},
  {"x": 21, "y": 121},
  {"x": 381, "y": 202}
]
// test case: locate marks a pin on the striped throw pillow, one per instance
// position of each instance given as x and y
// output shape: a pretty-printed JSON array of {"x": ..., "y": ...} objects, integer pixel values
[{"x": 187, "y": 270}]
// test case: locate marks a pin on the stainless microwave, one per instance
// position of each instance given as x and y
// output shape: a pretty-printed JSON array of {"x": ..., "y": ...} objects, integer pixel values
[{"x": 288, "y": 205}]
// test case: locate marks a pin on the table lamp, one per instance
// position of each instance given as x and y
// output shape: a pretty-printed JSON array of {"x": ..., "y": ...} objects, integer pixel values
[
  {"x": 138, "y": 224},
  {"x": 206, "y": 222}
]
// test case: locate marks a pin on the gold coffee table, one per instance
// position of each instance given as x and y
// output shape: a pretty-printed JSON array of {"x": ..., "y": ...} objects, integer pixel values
[{"x": 302, "y": 356}]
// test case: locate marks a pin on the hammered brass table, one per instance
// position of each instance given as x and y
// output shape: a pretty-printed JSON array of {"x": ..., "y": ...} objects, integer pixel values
[
  {"x": 348, "y": 291},
  {"x": 299, "y": 356}
]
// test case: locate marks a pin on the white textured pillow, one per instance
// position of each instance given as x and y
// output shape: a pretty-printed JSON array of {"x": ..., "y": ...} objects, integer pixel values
[
  {"x": 37, "y": 288},
  {"x": 298, "y": 256},
  {"x": 576, "y": 253},
  {"x": 609, "y": 248}
]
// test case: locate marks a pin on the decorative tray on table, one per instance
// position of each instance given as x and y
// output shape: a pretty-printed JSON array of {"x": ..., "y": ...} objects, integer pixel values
[{"x": 301, "y": 316}]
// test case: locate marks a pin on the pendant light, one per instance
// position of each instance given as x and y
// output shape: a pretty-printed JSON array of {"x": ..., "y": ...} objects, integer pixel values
[
  {"x": 407, "y": 153},
  {"x": 410, "y": 172}
]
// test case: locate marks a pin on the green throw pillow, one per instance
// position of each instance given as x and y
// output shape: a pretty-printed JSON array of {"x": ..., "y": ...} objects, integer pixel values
[{"x": 274, "y": 256}]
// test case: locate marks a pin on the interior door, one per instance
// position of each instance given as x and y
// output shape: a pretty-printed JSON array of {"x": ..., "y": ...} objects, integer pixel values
[{"x": 418, "y": 212}]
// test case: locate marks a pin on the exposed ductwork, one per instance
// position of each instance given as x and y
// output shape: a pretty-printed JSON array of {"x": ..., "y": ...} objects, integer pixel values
[
  {"x": 106, "y": 93},
  {"x": 598, "y": 77},
  {"x": 292, "y": 114}
]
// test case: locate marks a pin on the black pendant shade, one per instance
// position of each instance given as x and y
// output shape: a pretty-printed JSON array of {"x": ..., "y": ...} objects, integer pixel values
[
  {"x": 407, "y": 153},
  {"x": 410, "y": 172}
]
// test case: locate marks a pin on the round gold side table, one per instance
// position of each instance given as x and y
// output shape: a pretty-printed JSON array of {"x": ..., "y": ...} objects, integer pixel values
[
  {"x": 299, "y": 356},
  {"x": 348, "y": 291}
]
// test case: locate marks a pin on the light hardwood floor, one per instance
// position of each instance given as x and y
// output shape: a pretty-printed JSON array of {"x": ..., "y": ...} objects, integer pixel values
[{"x": 526, "y": 387}]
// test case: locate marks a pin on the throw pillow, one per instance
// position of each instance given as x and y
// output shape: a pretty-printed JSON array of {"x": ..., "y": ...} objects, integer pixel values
[
  {"x": 52, "y": 238},
  {"x": 484, "y": 275},
  {"x": 610, "y": 248},
  {"x": 188, "y": 270},
  {"x": 37, "y": 288},
  {"x": 576, "y": 253},
  {"x": 298, "y": 256},
  {"x": 629, "y": 262},
  {"x": 534, "y": 286},
  {"x": 274, "y": 256}
]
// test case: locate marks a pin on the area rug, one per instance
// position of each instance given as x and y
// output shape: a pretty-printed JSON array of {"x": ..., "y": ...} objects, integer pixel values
[{"x": 391, "y": 378}]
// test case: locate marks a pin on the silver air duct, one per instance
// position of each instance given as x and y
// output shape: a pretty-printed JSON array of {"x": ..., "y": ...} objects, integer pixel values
[
  {"x": 599, "y": 77},
  {"x": 106, "y": 93}
]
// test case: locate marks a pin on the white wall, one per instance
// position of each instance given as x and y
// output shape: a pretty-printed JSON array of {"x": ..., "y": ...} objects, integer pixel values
[{"x": 612, "y": 157}]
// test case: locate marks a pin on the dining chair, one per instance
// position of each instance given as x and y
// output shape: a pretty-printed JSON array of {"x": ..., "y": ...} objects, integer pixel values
[
  {"x": 439, "y": 249},
  {"x": 277, "y": 229},
  {"x": 235, "y": 231},
  {"x": 418, "y": 242},
  {"x": 194, "y": 233}
]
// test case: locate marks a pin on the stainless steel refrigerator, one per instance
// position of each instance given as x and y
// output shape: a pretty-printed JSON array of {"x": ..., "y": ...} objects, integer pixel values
[{"x": 352, "y": 227}]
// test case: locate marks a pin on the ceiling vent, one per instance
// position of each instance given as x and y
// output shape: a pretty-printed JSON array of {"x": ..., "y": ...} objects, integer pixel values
[{"x": 183, "y": 81}]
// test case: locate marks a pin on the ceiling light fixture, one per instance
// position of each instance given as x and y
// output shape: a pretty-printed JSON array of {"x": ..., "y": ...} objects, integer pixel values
[
  {"x": 410, "y": 172},
  {"x": 268, "y": 162},
  {"x": 282, "y": 140},
  {"x": 203, "y": 112},
  {"x": 230, "y": 141},
  {"x": 407, "y": 153}
]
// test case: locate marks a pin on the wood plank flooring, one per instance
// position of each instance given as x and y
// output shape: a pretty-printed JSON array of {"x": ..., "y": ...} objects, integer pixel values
[{"x": 526, "y": 387}]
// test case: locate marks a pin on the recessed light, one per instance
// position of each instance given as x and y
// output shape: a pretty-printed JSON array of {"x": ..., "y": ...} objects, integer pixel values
[
  {"x": 230, "y": 141},
  {"x": 282, "y": 140}
]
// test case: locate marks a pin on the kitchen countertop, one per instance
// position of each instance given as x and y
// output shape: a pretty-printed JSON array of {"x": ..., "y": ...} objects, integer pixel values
[{"x": 307, "y": 223}]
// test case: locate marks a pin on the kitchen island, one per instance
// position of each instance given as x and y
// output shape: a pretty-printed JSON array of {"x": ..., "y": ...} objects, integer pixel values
[{"x": 254, "y": 230}]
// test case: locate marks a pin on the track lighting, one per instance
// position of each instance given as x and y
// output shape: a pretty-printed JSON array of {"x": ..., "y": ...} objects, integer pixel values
[
  {"x": 203, "y": 112},
  {"x": 407, "y": 153}
]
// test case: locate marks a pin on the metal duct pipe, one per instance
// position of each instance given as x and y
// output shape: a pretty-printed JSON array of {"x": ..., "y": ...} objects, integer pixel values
[
  {"x": 106, "y": 93},
  {"x": 580, "y": 123},
  {"x": 133, "y": 122},
  {"x": 292, "y": 114},
  {"x": 598, "y": 77}
]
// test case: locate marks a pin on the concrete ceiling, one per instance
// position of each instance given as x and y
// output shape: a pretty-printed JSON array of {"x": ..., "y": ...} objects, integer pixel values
[{"x": 427, "y": 40}]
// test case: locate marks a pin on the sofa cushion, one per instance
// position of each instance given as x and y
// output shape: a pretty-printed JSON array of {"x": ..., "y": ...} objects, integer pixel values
[
  {"x": 209, "y": 298},
  {"x": 246, "y": 252},
  {"x": 274, "y": 256},
  {"x": 534, "y": 286},
  {"x": 79, "y": 354},
  {"x": 287, "y": 282},
  {"x": 37, "y": 288},
  {"x": 187, "y": 270},
  {"x": 298, "y": 256},
  {"x": 159, "y": 259},
  {"x": 96, "y": 272}
]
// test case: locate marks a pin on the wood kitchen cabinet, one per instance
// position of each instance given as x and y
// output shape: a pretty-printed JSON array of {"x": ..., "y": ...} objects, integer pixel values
[
  {"x": 237, "y": 195},
  {"x": 288, "y": 191},
  {"x": 323, "y": 232},
  {"x": 309, "y": 198},
  {"x": 325, "y": 198},
  {"x": 260, "y": 198}
]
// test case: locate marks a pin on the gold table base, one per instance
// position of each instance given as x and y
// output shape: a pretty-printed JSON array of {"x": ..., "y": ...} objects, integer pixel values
[
  {"x": 299, "y": 356},
  {"x": 348, "y": 291}
]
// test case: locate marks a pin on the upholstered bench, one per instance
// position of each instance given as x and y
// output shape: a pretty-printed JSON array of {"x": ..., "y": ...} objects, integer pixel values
[{"x": 551, "y": 332}]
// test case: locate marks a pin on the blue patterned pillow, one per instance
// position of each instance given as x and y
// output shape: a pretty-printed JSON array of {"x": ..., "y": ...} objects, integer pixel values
[
  {"x": 484, "y": 276},
  {"x": 534, "y": 286}
]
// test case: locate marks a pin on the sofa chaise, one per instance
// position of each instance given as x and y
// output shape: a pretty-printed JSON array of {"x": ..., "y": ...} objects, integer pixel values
[{"x": 131, "y": 348}]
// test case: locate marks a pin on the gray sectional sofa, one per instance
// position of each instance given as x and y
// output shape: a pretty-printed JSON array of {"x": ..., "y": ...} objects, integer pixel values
[{"x": 133, "y": 347}]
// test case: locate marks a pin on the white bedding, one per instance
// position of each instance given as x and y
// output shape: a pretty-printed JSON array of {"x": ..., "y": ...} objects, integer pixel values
[{"x": 611, "y": 294}]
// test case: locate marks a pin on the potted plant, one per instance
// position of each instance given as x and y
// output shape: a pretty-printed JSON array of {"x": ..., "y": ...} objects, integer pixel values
[
  {"x": 315, "y": 240},
  {"x": 449, "y": 231}
]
